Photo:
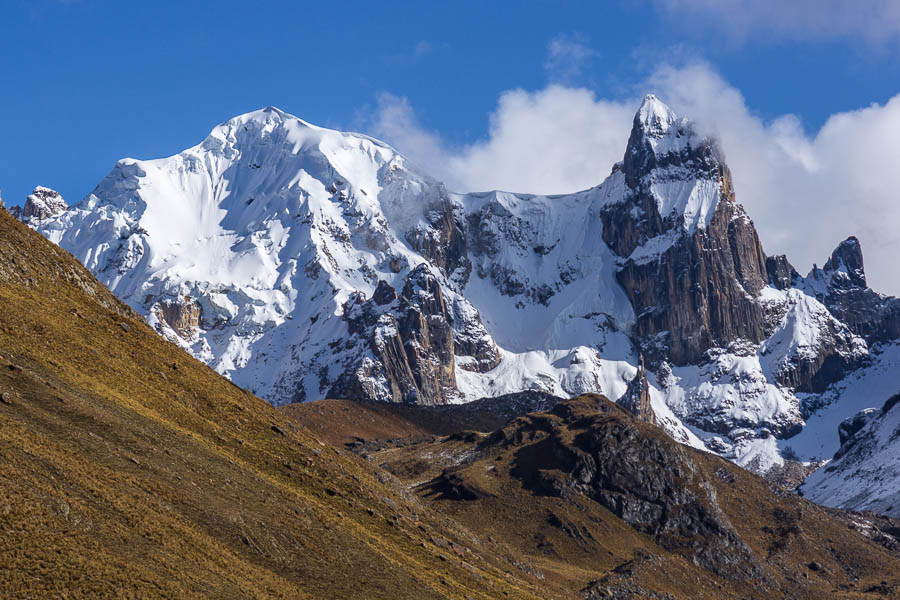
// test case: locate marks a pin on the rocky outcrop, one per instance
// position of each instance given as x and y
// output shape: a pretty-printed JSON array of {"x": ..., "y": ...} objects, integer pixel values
[
  {"x": 593, "y": 447},
  {"x": 782, "y": 274},
  {"x": 841, "y": 286},
  {"x": 443, "y": 241},
  {"x": 850, "y": 426},
  {"x": 43, "y": 203},
  {"x": 845, "y": 266},
  {"x": 808, "y": 348},
  {"x": 180, "y": 315},
  {"x": 692, "y": 262},
  {"x": 637, "y": 397},
  {"x": 411, "y": 344}
]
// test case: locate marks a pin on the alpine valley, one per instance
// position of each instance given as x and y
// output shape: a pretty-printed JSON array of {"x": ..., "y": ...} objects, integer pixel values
[{"x": 304, "y": 263}]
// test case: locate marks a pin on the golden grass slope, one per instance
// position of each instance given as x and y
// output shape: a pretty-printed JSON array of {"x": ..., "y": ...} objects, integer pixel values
[
  {"x": 130, "y": 470},
  {"x": 573, "y": 543}
]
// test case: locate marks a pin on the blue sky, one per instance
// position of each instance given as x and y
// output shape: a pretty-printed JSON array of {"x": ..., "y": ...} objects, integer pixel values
[{"x": 86, "y": 82}]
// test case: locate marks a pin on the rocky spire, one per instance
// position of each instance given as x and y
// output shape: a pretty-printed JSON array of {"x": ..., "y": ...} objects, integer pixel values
[
  {"x": 846, "y": 264},
  {"x": 781, "y": 272},
  {"x": 691, "y": 261},
  {"x": 841, "y": 285},
  {"x": 654, "y": 117},
  {"x": 660, "y": 138},
  {"x": 637, "y": 396}
]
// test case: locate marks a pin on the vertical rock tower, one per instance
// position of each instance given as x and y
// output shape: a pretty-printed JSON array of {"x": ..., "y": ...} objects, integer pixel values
[
  {"x": 637, "y": 398},
  {"x": 691, "y": 261}
]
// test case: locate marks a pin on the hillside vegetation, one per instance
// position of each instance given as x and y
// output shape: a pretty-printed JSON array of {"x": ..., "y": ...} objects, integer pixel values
[{"x": 129, "y": 469}]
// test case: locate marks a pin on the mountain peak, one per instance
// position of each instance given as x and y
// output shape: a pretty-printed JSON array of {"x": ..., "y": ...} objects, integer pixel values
[
  {"x": 269, "y": 115},
  {"x": 654, "y": 117},
  {"x": 847, "y": 259},
  {"x": 661, "y": 139},
  {"x": 43, "y": 203}
]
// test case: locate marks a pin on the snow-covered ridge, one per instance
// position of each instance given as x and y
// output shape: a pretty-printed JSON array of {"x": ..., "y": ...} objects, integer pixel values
[
  {"x": 865, "y": 471},
  {"x": 291, "y": 258}
]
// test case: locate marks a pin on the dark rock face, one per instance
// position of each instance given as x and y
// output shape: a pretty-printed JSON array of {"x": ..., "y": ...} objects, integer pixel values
[
  {"x": 384, "y": 293},
  {"x": 841, "y": 286},
  {"x": 443, "y": 243},
  {"x": 592, "y": 447},
  {"x": 699, "y": 291},
  {"x": 851, "y": 425},
  {"x": 815, "y": 374},
  {"x": 411, "y": 339},
  {"x": 847, "y": 259},
  {"x": 637, "y": 397},
  {"x": 781, "y": 273}
]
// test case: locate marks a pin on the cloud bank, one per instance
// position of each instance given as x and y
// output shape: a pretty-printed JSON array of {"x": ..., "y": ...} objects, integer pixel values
[{"x": 805, "y": 191}]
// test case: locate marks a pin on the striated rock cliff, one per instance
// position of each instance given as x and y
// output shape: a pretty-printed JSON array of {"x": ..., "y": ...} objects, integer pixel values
[
  {"x": 691, "y": 261},
  {"x": 411, "y": 341},
  {"x": 178, "y": 315}
]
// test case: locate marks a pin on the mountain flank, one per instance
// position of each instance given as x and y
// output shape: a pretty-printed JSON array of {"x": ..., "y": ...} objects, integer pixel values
[
  {"x": 130, "y": 469},
  {"x": 598, "y": 504}
]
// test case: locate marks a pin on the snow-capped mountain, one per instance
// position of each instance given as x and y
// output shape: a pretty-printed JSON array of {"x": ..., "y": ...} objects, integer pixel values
[
  {"x": 303, "y": 262},
  {"x": 865, "y": 471}
]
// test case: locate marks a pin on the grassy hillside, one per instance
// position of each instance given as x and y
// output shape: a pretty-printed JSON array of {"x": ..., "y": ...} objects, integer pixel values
[
  {"x": 128, "y": 469},
  {"x": 598, "y": 505}
]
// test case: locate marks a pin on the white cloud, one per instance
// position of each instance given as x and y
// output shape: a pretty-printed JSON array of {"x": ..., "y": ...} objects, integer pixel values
[
  {"x": 805, "y": 192},
  {"x": 555, "y": 140},
  {"x": 875, "y": 21}
]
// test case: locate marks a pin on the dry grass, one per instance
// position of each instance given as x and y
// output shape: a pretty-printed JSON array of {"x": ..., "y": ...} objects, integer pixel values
[
  {"x": 575, "y": 540},
  {"x": 130, "y": 470}
]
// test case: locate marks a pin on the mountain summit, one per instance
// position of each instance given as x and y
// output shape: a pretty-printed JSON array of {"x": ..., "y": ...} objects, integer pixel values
[
  {"x": 655, "y": 117},
  {"x": 306, "y": 263}
]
